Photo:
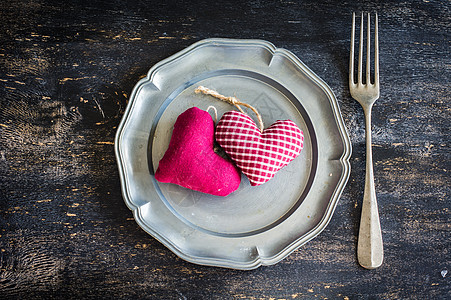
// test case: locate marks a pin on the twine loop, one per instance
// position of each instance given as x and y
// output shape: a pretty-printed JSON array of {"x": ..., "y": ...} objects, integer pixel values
[
  {"x": 232, "y": 100},
  {"x": 215, "y": 110}
]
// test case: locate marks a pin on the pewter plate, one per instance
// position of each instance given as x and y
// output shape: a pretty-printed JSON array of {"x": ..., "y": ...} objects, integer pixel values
[{"x": 254, "y": 225}]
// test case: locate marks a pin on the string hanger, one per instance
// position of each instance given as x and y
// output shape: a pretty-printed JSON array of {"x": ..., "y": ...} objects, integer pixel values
[{"x": 231, "y": 100}]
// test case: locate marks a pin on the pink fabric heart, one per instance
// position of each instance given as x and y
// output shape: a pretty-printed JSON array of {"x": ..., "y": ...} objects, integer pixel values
[
  {"x": 259, "y": 155},
  {"x": 190, "y": 160}
]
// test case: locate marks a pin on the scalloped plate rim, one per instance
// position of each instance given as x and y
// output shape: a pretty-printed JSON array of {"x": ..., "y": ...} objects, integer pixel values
[{"x": 259, "y": 260}]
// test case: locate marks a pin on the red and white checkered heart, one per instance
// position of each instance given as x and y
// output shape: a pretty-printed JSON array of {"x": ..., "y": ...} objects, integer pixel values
[{"x": 259, "y": 155}]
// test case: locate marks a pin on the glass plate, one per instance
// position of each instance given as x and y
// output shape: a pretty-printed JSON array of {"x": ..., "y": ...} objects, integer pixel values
[{"x": 254, "y": 225}]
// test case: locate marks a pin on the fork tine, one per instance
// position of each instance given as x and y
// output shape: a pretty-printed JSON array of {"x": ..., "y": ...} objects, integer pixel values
[
  {"x": 368, "y": 52},
  {"x": 351, "y": 55},
  {"x": 359, "y": 75},
  {"x": 376, "y": 53}
]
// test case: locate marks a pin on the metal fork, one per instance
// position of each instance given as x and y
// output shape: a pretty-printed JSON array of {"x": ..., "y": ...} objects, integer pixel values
[{"x": 370, "y": 251}]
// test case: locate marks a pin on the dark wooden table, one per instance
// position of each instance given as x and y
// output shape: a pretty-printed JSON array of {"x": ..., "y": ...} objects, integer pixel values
[{"x": 66, "y": 72}]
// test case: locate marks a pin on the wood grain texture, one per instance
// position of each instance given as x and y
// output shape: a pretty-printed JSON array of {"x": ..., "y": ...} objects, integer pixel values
[{"x": 66, "y": 72}]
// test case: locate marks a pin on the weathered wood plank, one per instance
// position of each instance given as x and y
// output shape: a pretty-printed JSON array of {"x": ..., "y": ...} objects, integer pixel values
[{"x": 66, "y": 72}]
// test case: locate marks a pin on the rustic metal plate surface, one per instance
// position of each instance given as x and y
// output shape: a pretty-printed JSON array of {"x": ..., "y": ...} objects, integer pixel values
[{"x": 255, "y": 225}]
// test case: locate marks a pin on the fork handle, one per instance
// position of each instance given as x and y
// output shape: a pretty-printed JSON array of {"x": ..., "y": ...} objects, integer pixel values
[{"x": 370, "y": 251}]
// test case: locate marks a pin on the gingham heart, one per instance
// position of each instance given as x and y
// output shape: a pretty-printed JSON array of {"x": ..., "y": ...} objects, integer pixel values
[{"x": 259, "y": 155}]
